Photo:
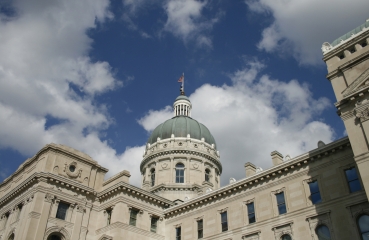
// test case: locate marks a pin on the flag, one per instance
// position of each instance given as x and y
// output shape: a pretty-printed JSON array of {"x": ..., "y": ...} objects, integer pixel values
[{"x": 181, "y": 79}]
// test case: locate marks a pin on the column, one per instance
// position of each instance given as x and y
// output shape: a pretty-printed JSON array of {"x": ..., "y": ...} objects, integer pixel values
[{"x": 78, "y": 216}]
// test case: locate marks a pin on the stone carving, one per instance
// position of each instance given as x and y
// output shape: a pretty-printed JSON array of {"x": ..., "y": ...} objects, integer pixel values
[
  {"x": 164, "y": 165},
  {"x": 180, "y": 144},
  {"x": 362, "y": 115},
  {"x": 49, "y": 198},
  {"x": 195, "y": 166},
  {"x": 165, "y": 145},
  {"x": 232, "y": 180},
  {"x": 71, "y": 170}
]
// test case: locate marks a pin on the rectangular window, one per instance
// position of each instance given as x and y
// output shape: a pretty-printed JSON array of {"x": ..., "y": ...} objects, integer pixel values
[
  {"x": 179, "y": 176},
  {"x": 251, "y": 212},
  {"x": 133, "y": 217},
  {"x": 62, "y": 210},
  {"x": 224, "y": 221},
  {"x": 314, "y": 192},
  {"x": 154, "y": 224},
  {"x": 200, "y": 229},
  {"x": 108, "y": 216},
  {"x": 281, "y": 203},
  {"x": 352, "y": 179},
  {"x": 178, "y": 233}
]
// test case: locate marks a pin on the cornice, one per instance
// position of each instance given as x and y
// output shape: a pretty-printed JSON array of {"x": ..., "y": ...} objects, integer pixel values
[
  {"x": 175, "y": 187},
  {"x": 138, "y": 192},
  {"x": 56, "y": 149},
  {"x": 167, "y": 152},
  {"x": 48, "y": 177},
  {"x": 260, "y": 178}
]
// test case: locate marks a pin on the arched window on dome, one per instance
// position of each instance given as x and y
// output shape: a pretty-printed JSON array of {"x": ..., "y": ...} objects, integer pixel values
[
  {"x": 323, "y": 233},
  {"x": 180, "y": 173},
  {"x": 207, "y": 175},
  {"x": 286, "y": 237},
  {"x": 152, "y": 177},
  {"x": 363, "y": 224}
]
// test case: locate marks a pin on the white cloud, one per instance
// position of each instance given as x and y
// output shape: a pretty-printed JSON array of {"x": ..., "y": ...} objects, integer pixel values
[
  {"x": 48, "y": 83},
  {"x": 185, "y": 20},
  {"x": 300, "y": 27},
  {"x": 255, "y": 116}
]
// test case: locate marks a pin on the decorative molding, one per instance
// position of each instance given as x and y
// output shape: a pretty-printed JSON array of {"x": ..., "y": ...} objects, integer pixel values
[
  {"x": 249, "y": 201},
  {"x": 35, "y": 215},
  {"x": 75, "y": 173},
  {"x": 222, "y": 210},
  {"x": 49, "y": 198}
]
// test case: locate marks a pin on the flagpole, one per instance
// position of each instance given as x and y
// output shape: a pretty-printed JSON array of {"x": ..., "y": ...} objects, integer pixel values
[{"x": 183, "y": 83}]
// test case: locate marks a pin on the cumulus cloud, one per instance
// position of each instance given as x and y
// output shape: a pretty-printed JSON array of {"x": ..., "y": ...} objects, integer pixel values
[
  {"x": 49, "y": 84},
  {"x": 300, "y": 27},
  {"x": 186, "y": 21},
  {"x": 255, "y": 116}
]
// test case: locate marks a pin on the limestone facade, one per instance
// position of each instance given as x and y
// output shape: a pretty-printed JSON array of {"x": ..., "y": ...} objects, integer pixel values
[{"x": 62, "y": 194}]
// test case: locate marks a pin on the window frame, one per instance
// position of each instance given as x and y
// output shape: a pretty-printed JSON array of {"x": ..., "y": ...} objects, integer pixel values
[
  {"x": 251, "y": 213},
  {"x": 133, "y": 216},
  {"x": 152, "y": 176},
  {"x": 207, "y": 175},
  {"x": 358, "y": 226},
  {"x": 154, "y": 224},
  {"x": 179, "y": 168},
  {"x": 222, "y": 223},
  {"x": 64, "y": 212},
  {"x": 317, "y": 192},
  {"x": 282, "y": 203},
  {"x": 178, "y": 233},
  {"x": 200, "y": 229},
  {"x": 347, "y": 180}
]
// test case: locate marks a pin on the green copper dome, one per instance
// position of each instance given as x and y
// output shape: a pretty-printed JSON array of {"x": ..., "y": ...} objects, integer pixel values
[{"x": 180, "y": 126}]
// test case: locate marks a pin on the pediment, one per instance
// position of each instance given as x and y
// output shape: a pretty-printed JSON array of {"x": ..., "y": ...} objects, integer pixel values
[{"x": 359, "y": 84}]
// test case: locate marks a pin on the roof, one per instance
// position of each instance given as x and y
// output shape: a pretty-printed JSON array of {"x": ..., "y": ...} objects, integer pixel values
[
  {"x": 182, "y": 97},
  {"x": 349, "y": 34},
  {"x": 180, "y": 126}
]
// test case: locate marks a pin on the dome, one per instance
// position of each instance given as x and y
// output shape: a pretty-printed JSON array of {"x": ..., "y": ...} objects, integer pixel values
[
  {"x": 182, "y": 97},
  {"x": 180, "y": 126}
]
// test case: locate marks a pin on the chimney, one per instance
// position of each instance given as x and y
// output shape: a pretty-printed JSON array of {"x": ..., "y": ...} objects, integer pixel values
[
  {"x": 250, "y": 169},
  {"x": 277, "y": 158}
]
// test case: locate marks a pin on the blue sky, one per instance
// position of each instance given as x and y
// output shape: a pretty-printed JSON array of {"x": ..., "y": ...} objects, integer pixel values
[{"x": 100, "y": 75}]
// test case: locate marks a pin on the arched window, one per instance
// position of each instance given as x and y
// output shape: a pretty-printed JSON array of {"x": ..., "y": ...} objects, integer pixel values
[
  {"x": 179, "y": 173},
  {"x": 322, "y": 231},
  {"x": 152, "y": 177},
  {"x": 207, "y": 175},
  {"x": 54, "y": 236},
  {"x": 363, "y": 224},
  {"x": 286, "y": 237}
]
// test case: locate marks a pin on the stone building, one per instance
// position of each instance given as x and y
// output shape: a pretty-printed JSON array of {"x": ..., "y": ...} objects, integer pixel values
[{"x": 61, "y": 193}]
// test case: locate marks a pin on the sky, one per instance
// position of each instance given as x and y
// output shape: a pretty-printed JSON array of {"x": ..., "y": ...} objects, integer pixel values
[{"x": 99, "y": 76}]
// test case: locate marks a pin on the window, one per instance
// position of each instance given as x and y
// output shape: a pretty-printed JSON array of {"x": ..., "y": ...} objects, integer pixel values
[
  {"x": 363, "y": 44},
  {"x": 251, "y": 212},
  {"x": 54, "y": 237},
  {"x": 133, "y": 217},
  {"x": 363, "y": 224},
  {"x": 62, "y": 210},
  {"x": 207, "y": 175},
  {"x": 352, "y": 179},
  {"x": 154, "y": 224},
  {"x": 178, "y": 233},
  {"x": 152, "y": 177},
  {"x": 281, "y": 203},
  {"x": 200, "y": 229},
  {"x": 286, "y": 237},
  {"x": 224, "y": 221},
  {"x": 341, "y": 56},
  {"x": 322, "y": 231},
  {"x": 108, "y": 216},
  {"x": 11, "y": 237},
  {"x": 180, "y": 173},
  {"x": 314, "y": 192},
  {"x": 352, "y": 50}
]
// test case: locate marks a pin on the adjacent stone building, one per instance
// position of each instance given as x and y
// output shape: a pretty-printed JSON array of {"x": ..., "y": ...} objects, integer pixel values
[{"x": 60, "y": 193}]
